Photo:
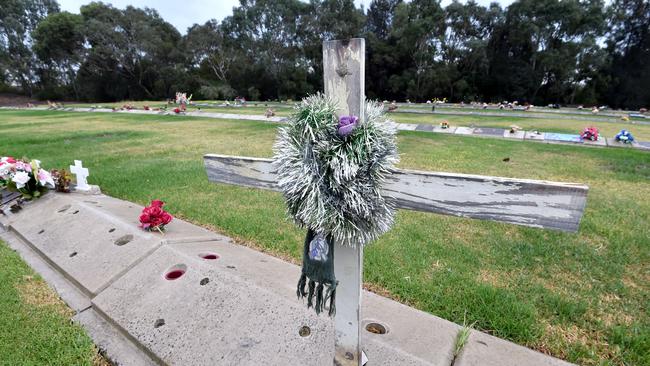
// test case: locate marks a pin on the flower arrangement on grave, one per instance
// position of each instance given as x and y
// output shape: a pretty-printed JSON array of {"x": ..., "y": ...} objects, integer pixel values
[
  {"x": 154, "y": 217},
  {"x": 62, "y": 179},
  {"x": 331, "y": 170},
  {"x": 514, "y": 128},
  {"x": 24, "y": 176},
  {"x": 183, "y": 100},
  {"x": 444, "y": 125},
  {"x": 590, "y": 133},
  {"x": 624, "y": 136}
]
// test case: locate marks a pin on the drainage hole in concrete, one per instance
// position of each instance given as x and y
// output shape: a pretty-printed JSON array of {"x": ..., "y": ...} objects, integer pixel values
[
  {"x": 76, "y": 212},
  {"x": 111, "y": 230},
  {"x": 73, "y": 254},
  {"x": 175, "y": 272},
  {"x": 159, "y": 323},
  {"x": 204, "y": 281},
  {"x": 376, "y": 328},
  {"x": 64, "y": 208},
  {"x": 304, "y": 331},
  {"x": 123, "y": 240},
  {"x": 209, "y": 256},
  {"x": 42, "y": 231}
]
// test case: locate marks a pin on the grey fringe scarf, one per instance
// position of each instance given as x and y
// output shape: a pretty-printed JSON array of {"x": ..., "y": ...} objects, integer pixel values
[{"x": 317, "y": 282}]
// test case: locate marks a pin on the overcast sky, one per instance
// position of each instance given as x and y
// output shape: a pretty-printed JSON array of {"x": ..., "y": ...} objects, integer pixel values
[{"x": 182, "y": 14}]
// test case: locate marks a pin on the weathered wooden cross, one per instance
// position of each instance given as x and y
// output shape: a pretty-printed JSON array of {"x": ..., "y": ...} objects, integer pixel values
[{"x": 523, "y": 202}]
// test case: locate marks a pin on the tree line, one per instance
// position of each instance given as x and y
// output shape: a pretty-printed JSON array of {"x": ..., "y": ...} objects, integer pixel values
[{"x": 534, "y": 51}]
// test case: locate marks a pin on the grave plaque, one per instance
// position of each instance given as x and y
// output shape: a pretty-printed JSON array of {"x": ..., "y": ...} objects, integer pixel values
[{"x": 486, "y": 131}]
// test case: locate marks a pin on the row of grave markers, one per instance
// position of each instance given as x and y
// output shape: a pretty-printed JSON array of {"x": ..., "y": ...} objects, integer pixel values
[{"x": 538, "y": 136}]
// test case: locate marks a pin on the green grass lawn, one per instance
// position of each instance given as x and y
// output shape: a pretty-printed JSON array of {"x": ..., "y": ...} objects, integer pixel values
[
  {"x": 581, "y": 297},
  {"x": 35, "y": 327}
]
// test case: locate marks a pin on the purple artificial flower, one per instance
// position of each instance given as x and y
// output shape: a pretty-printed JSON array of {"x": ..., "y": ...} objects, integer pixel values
[{"x": 347, "y": 124}]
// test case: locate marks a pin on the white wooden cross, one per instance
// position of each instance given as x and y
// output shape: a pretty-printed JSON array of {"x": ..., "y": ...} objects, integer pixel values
[
  {"x": 525, "y": 202},
  {"x": 82, "y": 174}
]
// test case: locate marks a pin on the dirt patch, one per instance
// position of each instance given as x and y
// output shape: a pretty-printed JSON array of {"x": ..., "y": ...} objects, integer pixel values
[
  {"x": 35, "y": 292},
  {"x": 12, "y": 100},
  {"x": 491, "y": 278},
  {"x": 557, "y": 340}
]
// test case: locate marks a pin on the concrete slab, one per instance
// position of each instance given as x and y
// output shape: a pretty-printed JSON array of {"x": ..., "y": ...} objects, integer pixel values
[
  {"x": 491, "y": 132},
  {"x": 485, "y": 350},
  {"x": 613, "y": 143},
  {"x": 424, "y": 127},
  {"x": 115, "y": 347},
  {"x": 450, "y": 129},
  {"x": 600, "y": 142},
  {"x": 92, "y": 240},
  {"x": 209, "y": 316},
  {"x": 464, "y": 131},
  {"x": 517, "y": 135},
  {"x": 534, "y": 135},
  {"x": 413, "y": 335},
  {"x": 643, "y": 145},
  {"x": 406, "y": 126},
  {"x": 68, "y": 292},
  {"x": 562, "y": 137}
]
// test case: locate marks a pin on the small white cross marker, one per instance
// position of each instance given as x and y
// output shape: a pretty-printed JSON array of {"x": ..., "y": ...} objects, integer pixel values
[{"x": 82, "y": 174}]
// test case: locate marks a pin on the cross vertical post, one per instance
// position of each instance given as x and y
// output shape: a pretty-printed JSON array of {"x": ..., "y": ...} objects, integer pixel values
[
  {"x": 81, "y": 173},
  {"x": 344, "y": 74}
]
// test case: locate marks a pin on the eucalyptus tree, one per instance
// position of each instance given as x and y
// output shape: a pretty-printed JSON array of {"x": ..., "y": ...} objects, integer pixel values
[
  {"x": 18, "y": 19},
  {"x": 418, "y": 27},
  {"x": 136, "y": 47},
  {"x": 382, "y": 60},
  {"x": 628, "y": 45},
  {"x": 536, "y": 52},
  {"x": 267, "y": 42},
  {"x": 59, "y": 44}
]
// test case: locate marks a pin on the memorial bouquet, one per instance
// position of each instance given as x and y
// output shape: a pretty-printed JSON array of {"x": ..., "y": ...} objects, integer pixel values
[
  {"x": 331, "y": 170},
  {"x": 154, "y": 217},
  {"x": 590, "y": 133},
  {"x": 625, "y": 137},
  {"x": 24, "y": 176}
]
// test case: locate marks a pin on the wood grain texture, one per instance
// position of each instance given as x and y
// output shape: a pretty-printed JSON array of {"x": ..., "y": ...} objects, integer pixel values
[
  {"x": 542, "y": 204},
  {"x": 344, "y": 81}
]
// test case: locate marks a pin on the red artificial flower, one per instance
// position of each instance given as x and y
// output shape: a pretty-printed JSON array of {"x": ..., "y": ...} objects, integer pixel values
[
  {"x": 154, "y": 217},
  {"x": 176, "y": 110},
  {"x": 11, "y": 160}
]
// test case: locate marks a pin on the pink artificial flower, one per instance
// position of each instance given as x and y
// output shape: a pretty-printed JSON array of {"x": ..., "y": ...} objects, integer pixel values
[{"x": 21, "y": 165}]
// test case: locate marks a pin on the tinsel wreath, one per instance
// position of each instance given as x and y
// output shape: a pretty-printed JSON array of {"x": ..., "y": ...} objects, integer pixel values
[{"x": 331, "y": 170}]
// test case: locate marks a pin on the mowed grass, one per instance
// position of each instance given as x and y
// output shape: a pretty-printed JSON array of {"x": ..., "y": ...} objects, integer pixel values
[
  {"x": 35, "y": 327},
  {"x": 582, "y": 297}
]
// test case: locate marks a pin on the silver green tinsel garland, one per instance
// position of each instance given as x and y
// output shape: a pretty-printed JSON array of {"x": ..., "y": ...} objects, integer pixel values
[{"x": 332, "y": 183}]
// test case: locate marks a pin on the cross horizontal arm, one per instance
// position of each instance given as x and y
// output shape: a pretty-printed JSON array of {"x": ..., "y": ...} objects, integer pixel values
[{"x": 524, "y": 202}]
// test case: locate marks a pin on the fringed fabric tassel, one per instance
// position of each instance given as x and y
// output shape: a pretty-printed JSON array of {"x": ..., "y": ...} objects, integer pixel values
[
  {"x": 319, "y": 298},
  {"x": 332, "y": 299},
  {"x": 302, "y": 284},
  {"x": 310, "y": 295}
]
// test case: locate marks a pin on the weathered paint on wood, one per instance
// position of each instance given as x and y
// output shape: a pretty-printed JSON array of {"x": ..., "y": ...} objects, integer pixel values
[
  {"x": 6, "y": 196},
  {"x": 525, "y": 202},
  {"x": 344, "y": 80}
]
